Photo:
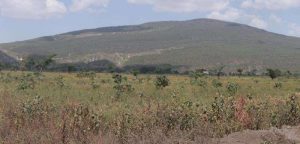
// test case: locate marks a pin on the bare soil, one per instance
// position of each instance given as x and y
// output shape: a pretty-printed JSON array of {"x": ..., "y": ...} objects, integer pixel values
[{"x": 286, "y": 135}]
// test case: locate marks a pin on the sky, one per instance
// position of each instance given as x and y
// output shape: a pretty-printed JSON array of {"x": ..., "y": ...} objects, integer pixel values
[{"x": 26, "y": 19}]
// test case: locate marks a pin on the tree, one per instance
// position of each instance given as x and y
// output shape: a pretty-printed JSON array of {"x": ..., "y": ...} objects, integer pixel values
[
  {"x": 135, "y": 73},
  {"x": 253, "y": 72},
  {"x": 219, "y": 71},
  {"x": 288, "y": 74},
  {"x": 273, "y": 73},
  {"x": 29, "y": 63},
  {"x": 240, "y": 71},
  {"x": 71, "y": 68},
  {"x": 45, "y": 62},
  {"x": 49, "y": 60},
  {"x": 196, "y": 75},
  {"x": 1, "y": 66},
  {"x": 38, "y": 62}
]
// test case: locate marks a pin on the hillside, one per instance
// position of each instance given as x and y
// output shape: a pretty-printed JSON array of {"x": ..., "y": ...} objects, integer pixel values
[
  {"x": 6, "y": 60},
  {"x": 195, "y": 43}
]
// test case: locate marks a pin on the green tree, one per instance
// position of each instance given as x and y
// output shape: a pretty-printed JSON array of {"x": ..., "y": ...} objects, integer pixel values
[
  {"x": 71, "y": 68},
  {"x": 45, "y": 62},
  {"x": 1, "y": 66},
  {"x": 196, "y": 75},
  {"x": 273, "y": 73},
  {"x": 240, "y": 71},
  {"x": 288, "y": 74},
  {"x": 38, "y": 62},
  {"x": 219, "y": 71},
  {"x": 29, "y": 63},
  {"x": 135, "y": 73}
]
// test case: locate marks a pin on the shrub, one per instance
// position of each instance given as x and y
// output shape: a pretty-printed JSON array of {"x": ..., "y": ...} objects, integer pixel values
[
  {"x": 195, "y": 79},
  {"x": 202, "y": 83},
  {"x": 217, "y": 84},
  {"x": 93, "y": 83},
  {"x": 86, "y": 75},
  {"x": 120, "y": 85},
  {"x": 79, "y": 123},
  {"x": 293, "y": 112},
  {"x": 278, "y": 85},
  {"x": 196, "y": 75},
  {"x": 162, "y": 82},
  {"x": 27, "y": 81},
  {"x": 232, "y": 88},
  {"x": 60, "y": 82}
]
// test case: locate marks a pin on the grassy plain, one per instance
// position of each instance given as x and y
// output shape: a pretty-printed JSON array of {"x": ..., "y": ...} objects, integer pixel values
[{"x": 89, "y": 108}]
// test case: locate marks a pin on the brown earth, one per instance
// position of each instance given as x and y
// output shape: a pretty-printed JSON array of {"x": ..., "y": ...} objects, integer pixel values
[{"x": 286, "y": 135}]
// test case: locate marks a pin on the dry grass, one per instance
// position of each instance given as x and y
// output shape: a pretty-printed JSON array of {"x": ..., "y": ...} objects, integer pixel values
[{"x": 68, "y": 109}]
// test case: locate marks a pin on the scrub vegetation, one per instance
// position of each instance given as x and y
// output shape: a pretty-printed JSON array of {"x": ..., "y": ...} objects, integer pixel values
[{"x": 101, "y": 108}]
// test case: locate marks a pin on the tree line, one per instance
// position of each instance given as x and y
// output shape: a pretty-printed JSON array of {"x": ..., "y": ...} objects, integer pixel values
[{"x": 42, "y": 63}]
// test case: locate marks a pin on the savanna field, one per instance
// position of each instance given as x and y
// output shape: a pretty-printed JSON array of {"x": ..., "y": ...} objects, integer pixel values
[{"x": 87, "y": 107}]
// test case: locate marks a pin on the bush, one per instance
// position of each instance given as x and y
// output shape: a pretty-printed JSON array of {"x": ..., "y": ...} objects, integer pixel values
[
  {"x": 162, "y": 82},
  {"x": 217, "y": 84},
  {"x": 120, "y": 85},
  {"x": 232, "y": 88},
  {"x": 278, "y": 85},
  {"x": 27, "y": 81}
]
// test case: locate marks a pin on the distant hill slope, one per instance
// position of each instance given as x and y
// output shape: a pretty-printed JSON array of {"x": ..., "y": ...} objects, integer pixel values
[
  {"x": 196, "y": 43},
  {"x": 6, "y": 60}
]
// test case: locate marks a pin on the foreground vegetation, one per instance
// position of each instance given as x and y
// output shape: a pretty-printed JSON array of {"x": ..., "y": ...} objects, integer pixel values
[{"x": 87, "y": 107}]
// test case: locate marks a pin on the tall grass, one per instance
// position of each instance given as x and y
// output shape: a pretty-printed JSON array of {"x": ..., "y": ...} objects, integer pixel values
[{"x": 67, "y": 108}]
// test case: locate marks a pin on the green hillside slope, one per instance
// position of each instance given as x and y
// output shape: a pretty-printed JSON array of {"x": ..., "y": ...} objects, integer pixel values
[{"x": 195, "y": 43}]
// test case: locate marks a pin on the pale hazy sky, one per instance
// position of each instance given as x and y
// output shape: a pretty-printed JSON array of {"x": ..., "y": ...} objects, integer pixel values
[{"x": 25, "y": 19}]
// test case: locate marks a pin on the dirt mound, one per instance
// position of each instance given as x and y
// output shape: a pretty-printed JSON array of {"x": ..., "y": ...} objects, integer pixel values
[{"x": 286, "y": 135}]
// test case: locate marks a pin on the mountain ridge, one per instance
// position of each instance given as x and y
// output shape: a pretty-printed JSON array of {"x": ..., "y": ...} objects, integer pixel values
[{"x": 195, "y": 43}]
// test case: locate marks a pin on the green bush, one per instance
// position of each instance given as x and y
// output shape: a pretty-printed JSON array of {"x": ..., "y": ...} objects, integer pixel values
[
  {"x": 162, "y": 82},
  {"x": 120, "y": 85},
  {"x": 232, "y": 88}
]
